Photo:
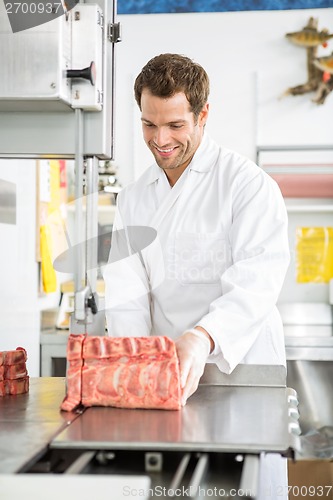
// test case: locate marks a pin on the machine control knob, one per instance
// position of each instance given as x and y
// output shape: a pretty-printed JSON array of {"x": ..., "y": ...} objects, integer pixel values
[{"x": 88, "y": 73}]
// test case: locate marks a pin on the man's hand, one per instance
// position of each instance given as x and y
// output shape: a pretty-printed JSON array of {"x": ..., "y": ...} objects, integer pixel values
[{"x": 193, "y": 349}]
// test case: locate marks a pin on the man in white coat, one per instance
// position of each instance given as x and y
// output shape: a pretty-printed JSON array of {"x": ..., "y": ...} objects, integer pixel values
[{"x": 211, "y": 277}]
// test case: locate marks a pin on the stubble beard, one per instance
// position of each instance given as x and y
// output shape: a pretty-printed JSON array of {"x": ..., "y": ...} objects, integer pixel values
[{"x": 177, "y": 162}]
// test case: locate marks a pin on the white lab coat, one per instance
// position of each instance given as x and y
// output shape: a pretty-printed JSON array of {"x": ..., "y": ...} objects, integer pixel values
[{"x": 218, "y": 261}]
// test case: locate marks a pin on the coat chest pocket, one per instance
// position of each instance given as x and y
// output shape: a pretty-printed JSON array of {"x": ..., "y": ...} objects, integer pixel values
[{"x": 200, "y": 258}]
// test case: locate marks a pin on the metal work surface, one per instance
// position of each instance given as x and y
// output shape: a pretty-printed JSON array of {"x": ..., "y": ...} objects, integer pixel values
[
  {"x": 28, "y": 422},
  {"x": 215, "y": 418}
]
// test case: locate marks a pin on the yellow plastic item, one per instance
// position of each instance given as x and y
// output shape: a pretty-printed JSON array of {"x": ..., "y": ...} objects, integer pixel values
[
  {"x": 49, "y": 277},
  {"x": 314, "y": 254}
]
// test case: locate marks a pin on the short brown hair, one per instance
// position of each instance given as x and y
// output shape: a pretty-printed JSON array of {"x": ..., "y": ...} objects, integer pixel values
[{"x": 167, "y": 74}]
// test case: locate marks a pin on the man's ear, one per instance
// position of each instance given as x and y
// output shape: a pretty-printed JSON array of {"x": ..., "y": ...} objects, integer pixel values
[{"x": 203, "y": 115}]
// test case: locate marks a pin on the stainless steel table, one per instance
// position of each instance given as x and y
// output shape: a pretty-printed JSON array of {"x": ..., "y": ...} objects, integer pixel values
[
  {"x": 225, "y": 426},
  {"x": 29, "y": 422},
  {"x": 216, "y": 418}
]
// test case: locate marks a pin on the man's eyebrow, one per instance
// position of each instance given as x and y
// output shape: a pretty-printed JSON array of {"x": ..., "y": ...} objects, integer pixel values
[{"x": 169, "y": 123}]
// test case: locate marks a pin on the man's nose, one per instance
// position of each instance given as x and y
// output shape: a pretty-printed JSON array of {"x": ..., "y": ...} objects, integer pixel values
[{"x": 162, "y": 136}]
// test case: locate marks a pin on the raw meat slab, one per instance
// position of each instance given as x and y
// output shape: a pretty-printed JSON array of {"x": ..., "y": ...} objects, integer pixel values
[
  {"x": 14, "y": 387},
  {"x": 13, "y": 372},
  {"x": 125, "y": 372},
  {"x": 13, "y": 357}
]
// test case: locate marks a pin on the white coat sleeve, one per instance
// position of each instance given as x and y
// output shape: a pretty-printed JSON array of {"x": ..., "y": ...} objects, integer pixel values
[
  {"x": 127, "y": 297},
  {"x": 258, "y": 239}
]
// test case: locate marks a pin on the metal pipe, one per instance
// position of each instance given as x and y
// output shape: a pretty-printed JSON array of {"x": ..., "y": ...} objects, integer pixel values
[
  {"x": 198, "y": 474},
  {"x": 92, "y": 222},
  {"x": 250, "y": 476},
  {"x": 80, "y": 463},
  {"x": 79, "y": 275},
  {"x": 175, "y": 483}
]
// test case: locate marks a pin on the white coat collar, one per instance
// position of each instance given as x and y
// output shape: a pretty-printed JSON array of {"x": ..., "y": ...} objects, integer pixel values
[
  {"x": 205, "y": 156},
  {"x": 202, "y": 161}
]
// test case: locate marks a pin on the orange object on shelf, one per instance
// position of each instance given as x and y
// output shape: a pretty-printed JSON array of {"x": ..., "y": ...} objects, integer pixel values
[{"x": 305, "y": 185}]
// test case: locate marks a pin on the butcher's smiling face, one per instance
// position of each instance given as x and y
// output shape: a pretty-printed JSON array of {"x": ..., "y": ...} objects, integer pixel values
[{"x": 171, "y": 131}]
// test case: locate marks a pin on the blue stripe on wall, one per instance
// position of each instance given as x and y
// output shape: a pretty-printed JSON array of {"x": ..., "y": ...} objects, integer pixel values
[{"x": 174, "y": 6}]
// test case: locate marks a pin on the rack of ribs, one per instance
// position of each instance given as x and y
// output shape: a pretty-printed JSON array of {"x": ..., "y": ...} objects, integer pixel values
[{"x": 124, "y": 372}]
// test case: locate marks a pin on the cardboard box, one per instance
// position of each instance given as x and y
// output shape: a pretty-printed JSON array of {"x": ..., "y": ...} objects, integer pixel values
[{"x": 310, "y": 478}]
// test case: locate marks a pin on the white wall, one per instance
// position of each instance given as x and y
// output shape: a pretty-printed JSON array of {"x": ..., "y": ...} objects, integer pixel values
[
  {"x": 250, "y": 64},
  {"x": 20, "y": 301},
  {"x": 19, "y": 324}
]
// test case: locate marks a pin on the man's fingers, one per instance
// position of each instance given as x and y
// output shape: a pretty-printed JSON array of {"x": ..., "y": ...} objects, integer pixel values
[
  {"x": 184, "y": 366},
  {"x": 191, "y": 386},
  {"x": 185, "y": 363},
  {"x": 192, "y": 352}
]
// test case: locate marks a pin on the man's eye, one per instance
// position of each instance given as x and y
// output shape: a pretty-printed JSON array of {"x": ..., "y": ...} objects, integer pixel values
[
  {"x": 149, "y": 125},
  {"x": 176, "y": 126}
]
